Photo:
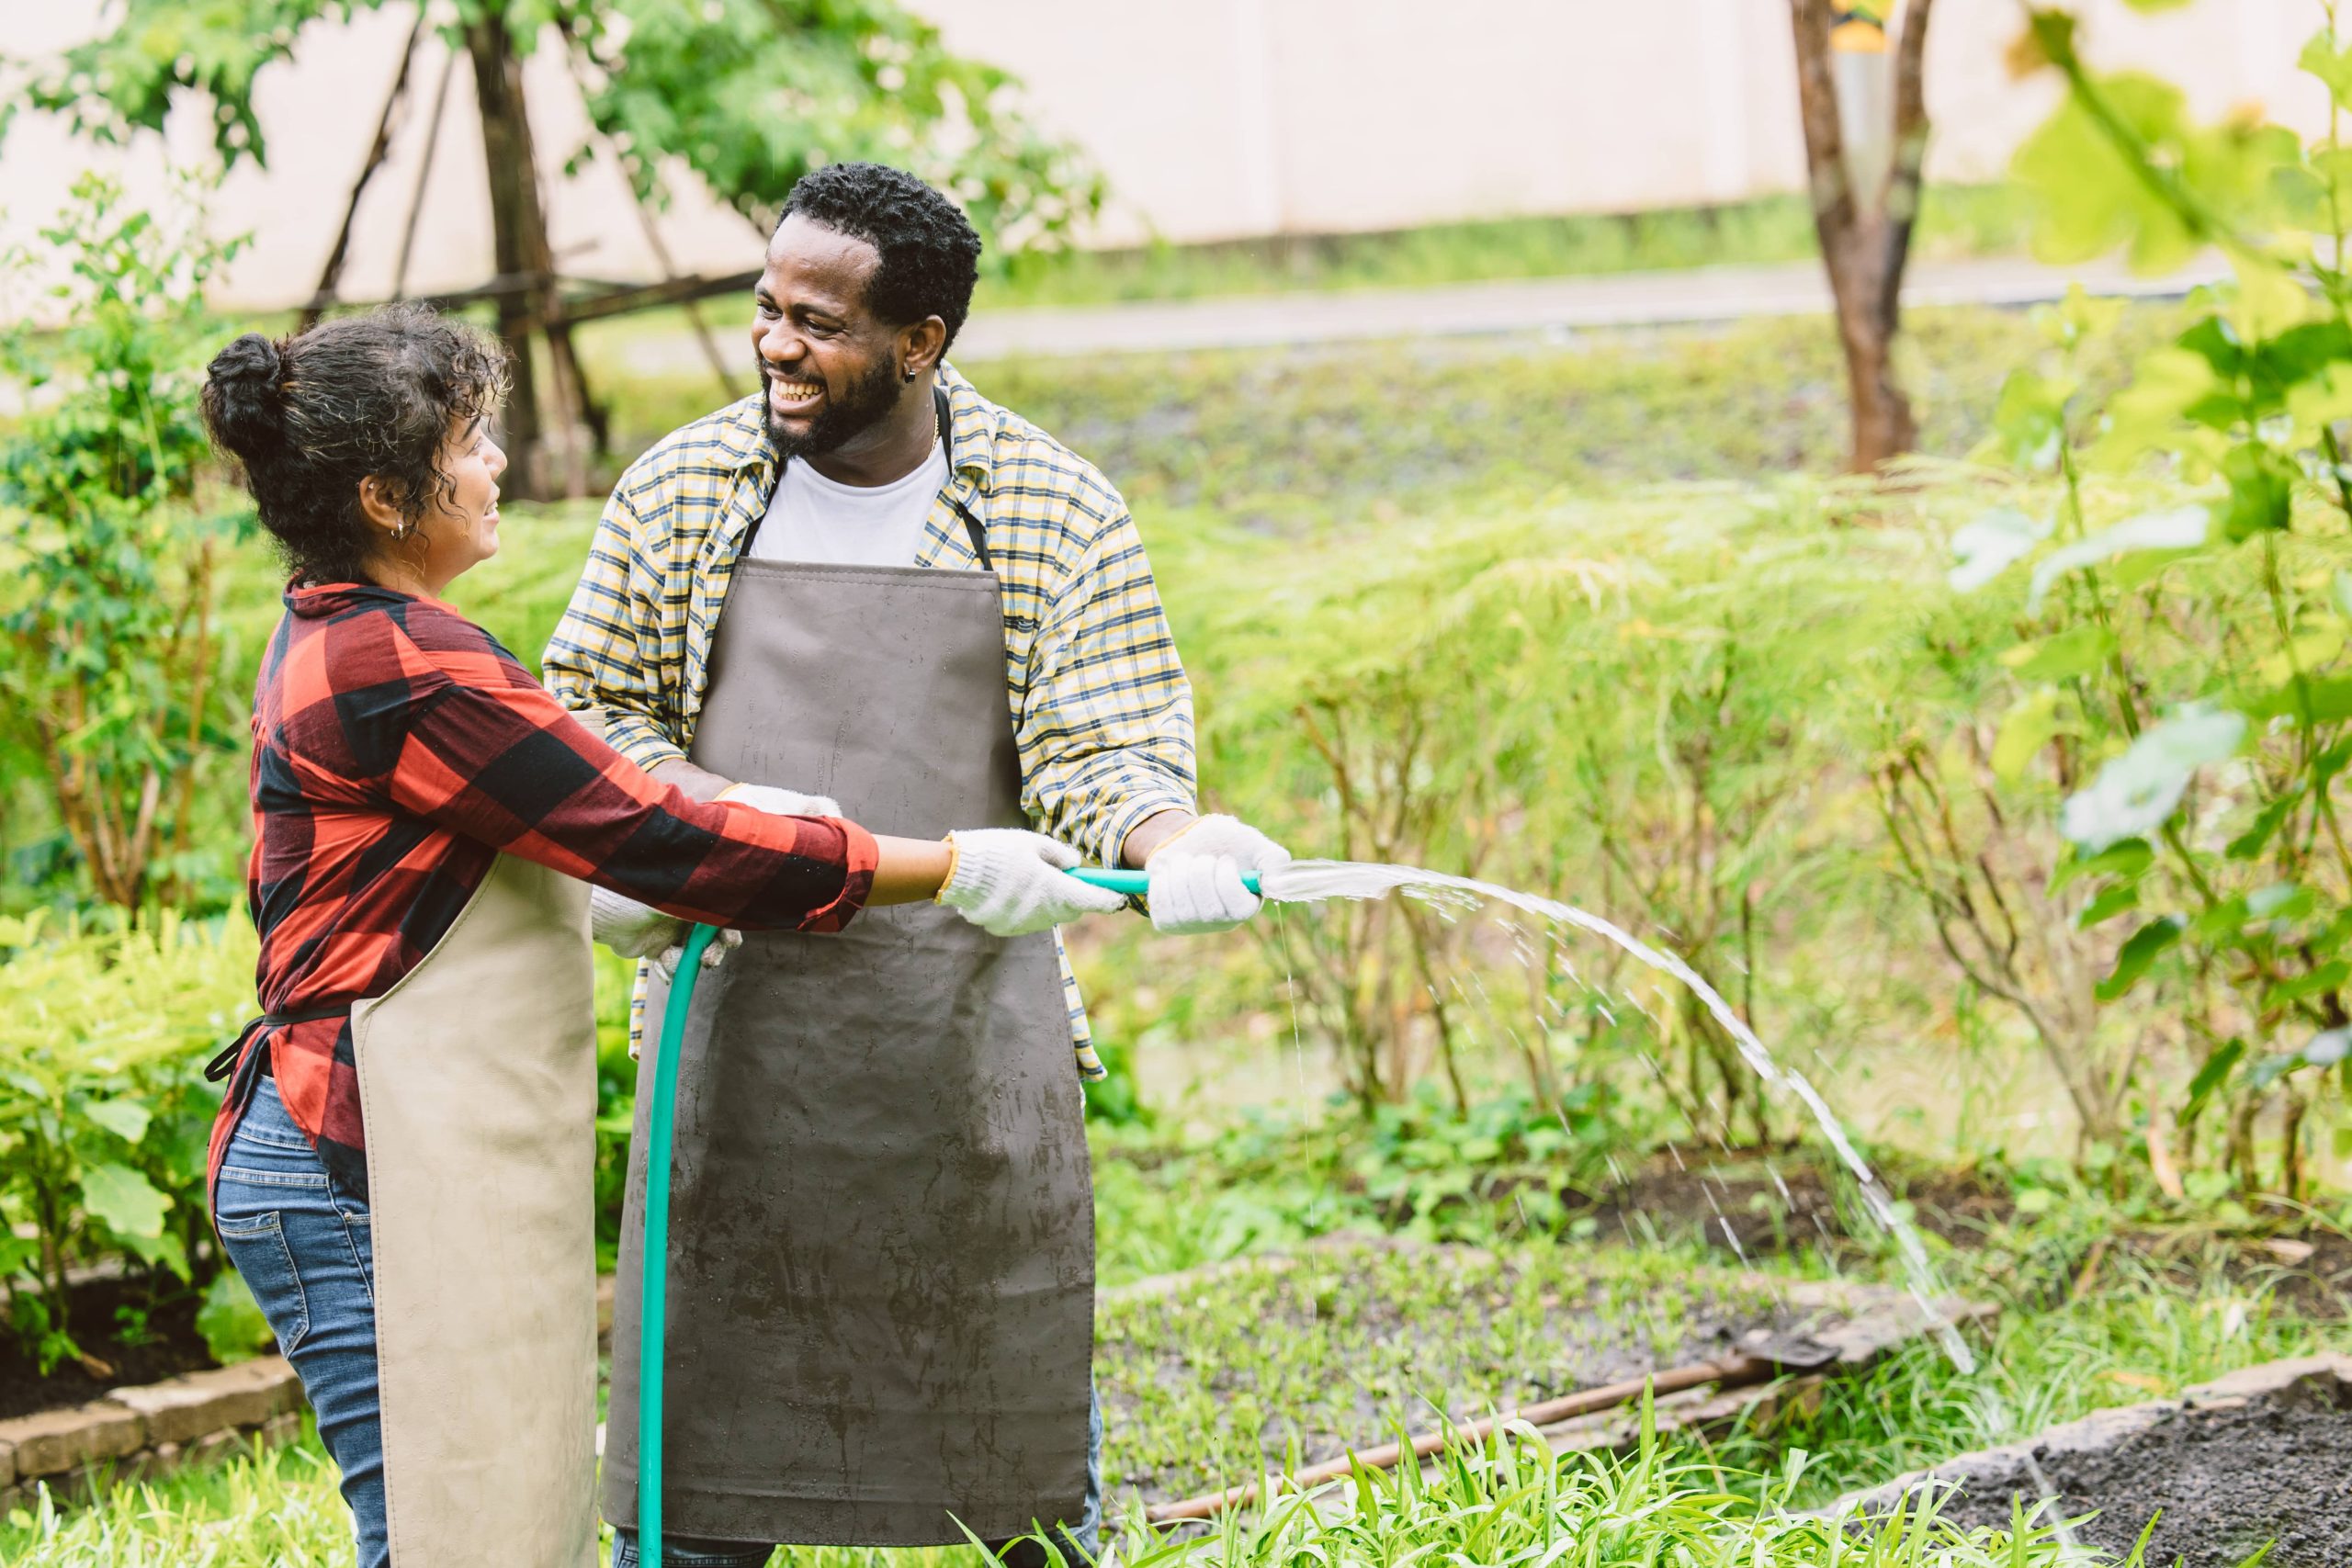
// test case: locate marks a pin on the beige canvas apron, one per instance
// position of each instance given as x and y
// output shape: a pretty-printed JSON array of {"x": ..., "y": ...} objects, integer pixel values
[
  {"x": 882, "y": 1229},
  {"x": 477, "y": 1088}
]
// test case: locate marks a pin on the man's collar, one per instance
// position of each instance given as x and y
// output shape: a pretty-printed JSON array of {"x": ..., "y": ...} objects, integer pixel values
[{"x": 971, "y": 433}]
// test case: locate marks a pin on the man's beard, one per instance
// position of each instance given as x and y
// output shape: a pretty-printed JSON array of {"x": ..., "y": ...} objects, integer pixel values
[{"x": 868, "y": 401}]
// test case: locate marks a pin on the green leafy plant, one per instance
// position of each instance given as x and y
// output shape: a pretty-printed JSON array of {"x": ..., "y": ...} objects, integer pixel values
[
  {"x": 104, "y": 1112},
  {"x": 2179, "y": 669},
  {"x": 106, "y": 559}
]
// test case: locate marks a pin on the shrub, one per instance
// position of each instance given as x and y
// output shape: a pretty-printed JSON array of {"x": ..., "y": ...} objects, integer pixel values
[{"x": 104, "y": 1112}]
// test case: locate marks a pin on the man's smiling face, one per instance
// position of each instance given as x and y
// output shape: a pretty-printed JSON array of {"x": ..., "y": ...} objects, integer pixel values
[{"x": 828, "y": 367}]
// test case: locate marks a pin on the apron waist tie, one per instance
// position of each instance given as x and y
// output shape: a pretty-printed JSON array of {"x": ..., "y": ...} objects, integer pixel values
[{"x": 226, "y": 1062}]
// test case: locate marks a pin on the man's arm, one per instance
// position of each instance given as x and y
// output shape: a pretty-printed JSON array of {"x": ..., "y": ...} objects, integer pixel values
[
  {"x": 606, "y": 653},
  {"x": 1106, "y": 723}
]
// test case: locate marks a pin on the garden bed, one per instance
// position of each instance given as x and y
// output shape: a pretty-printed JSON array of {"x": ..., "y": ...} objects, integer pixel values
[
  {"x": 1217, "y": 1375},
  {"x": 131, "y": 1332},
  {"x": 2261, "y": 1457}
]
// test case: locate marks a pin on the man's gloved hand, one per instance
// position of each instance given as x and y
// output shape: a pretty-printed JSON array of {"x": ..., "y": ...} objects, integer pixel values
[
  {"x": 1196, "y": 883},
  {"x": 1009, "y": 882},
  {"x": 782, "y": 801},
  {"x": 639, "y": 930}
]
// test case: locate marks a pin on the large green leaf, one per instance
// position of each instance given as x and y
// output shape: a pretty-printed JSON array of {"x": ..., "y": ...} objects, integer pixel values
[
  {"x": 2171, "y": 530},
  {"x": 126, "y": 1118},
  {"x": 127, "y": 1201},
  {"x": 2136, "y": 794}
]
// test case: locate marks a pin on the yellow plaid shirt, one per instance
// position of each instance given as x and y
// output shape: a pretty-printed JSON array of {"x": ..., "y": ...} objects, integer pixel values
[{"x": 1101, "y": 711}]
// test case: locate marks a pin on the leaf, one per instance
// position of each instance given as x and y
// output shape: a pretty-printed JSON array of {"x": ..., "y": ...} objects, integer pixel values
[
  {"x": 2279, "y": 901},
  {"x": 2329, "y": 977},
  {"x": 2176, "y": 528},
  {"x": 163, "y": 1251},
  {"x": 1990, "y": 544},
  {"x": 2261, "y": 493},
  {"x": 2258, "y": 832},
  {"x": 2108, "y": 905},
  {"x": 2210, "y": 1075},
  {"x": 2136, "y": 794},
  {"x": 2332, "y": 66},
  {"x": 126, "y": 1118},
  {"x": 2032, "y": 723},
  {"x": 125, "y": 1200},
  {"x": 2076, "y": 652},
  {"x": 2141, "y": 949},
  {"x": 231, "y": 1321},
  {"x": 2126, "y": 861},
  {"x": 2030, "y": 420},
  {"x": 2322, "y": 399}
]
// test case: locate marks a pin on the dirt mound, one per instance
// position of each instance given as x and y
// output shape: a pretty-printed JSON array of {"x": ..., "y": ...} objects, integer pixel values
[{"x": 2263, "y": 1458}]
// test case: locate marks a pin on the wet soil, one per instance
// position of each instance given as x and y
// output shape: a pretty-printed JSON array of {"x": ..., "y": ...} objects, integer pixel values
[
  {"x": 2221, "y": 1483},
  {"x": 131, "y": 1330},
  {"x": 1342, "y": 1345}
]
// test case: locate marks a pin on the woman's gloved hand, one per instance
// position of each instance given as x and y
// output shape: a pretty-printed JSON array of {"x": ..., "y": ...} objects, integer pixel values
[
  {"x": 1009, "y": 882},
  {"x": 778, "y": 802},
  {"x": 639, "y": 930},
  {"x": 1196, "y": 883}
]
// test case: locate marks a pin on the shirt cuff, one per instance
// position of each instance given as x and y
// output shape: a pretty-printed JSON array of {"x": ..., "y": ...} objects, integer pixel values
[
  {"x": 861, "y": 856},
  {"x": 640, "y": 740}
]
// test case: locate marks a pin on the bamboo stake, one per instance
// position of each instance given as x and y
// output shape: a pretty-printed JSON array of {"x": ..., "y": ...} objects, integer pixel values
[
  {"x": 332, "y": 274},
  {"x": 423, "y": 171},
  {"x": 1732, "y": 1371}
]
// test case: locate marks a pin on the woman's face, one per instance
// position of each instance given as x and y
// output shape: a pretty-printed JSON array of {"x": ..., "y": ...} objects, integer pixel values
[{"x": 460, "y": 527}]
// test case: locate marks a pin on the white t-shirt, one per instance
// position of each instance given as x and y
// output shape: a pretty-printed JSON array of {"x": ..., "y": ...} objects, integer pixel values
[{"x": 812, "y": 518}]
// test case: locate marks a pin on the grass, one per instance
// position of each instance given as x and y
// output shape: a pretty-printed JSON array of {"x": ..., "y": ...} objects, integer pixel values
[{"x": 2141, "y": 1337}]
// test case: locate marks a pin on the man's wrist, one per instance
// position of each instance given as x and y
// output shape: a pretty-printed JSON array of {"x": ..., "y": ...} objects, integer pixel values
[{"x": 1147, "y": 835}]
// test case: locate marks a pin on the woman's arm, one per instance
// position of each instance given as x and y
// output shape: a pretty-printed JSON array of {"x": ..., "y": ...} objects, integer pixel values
[{"x": 484, "y": 751}]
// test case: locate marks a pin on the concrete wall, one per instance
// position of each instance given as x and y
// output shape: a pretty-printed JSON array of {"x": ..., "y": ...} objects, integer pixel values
[{"x": 1211, "y": 118}]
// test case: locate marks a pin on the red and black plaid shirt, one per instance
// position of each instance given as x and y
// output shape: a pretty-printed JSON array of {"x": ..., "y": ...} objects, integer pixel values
[{"x": 398, "y": 750}]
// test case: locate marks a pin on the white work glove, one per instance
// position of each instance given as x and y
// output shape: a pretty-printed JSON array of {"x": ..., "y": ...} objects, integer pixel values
[
  {"x": 1009, "y": 882},
  {"x": 639, "y": 930},
  {"x": 780, "y": 802},
  {"x": 1196, "y": 883}
]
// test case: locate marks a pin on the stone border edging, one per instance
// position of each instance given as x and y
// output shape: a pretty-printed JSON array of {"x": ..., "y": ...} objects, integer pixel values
[{"x": 157, "y": 1427}]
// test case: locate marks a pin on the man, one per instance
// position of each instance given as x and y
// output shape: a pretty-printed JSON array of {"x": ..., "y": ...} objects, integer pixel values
[{"x": 869, "y": 585}]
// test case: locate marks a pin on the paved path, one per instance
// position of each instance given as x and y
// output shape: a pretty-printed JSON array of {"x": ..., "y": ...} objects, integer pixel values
[{"x": 1549, "y": 305}]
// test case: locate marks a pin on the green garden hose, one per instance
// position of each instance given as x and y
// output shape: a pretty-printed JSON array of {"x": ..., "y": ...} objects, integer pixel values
[
  {"x": 653, "y": 1291},
  {"x": 653, "y": 1300}
]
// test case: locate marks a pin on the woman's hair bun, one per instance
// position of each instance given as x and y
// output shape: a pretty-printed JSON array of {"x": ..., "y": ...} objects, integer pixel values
[{"x": 242, "y": 405}]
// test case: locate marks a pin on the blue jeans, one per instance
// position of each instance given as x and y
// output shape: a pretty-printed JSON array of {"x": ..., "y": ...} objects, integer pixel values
[
  {"x": 1076, "y": 1548},
  {"x": 303, "y": 1246}
]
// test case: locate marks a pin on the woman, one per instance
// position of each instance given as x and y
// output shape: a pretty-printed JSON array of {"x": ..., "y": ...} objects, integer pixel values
[{"x": 401, "y": 1165}]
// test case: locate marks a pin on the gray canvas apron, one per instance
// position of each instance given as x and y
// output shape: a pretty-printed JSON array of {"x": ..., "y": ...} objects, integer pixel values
[
  {"x": 478, "y": 1089},
  {"x": 882, "y": 1233}
]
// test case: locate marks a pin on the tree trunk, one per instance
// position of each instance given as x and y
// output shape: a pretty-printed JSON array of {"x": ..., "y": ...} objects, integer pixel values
[
  {"x": 520, "y": 245},
  {"x": 1865, "y": 235}
]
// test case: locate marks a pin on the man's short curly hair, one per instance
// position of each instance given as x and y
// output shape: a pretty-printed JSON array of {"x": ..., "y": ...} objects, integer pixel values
[{"x": 931, "y": 253}]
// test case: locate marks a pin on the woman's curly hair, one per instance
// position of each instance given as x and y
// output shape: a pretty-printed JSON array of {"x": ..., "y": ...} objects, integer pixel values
[{"x": 309, "y": 416}]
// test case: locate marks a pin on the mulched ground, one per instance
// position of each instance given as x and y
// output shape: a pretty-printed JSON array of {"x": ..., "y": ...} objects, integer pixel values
[
  {"x": 1757, "y": 1205},
  {"x": 164, "y": 1344},
  {"x": 2225, "y": 1480}
]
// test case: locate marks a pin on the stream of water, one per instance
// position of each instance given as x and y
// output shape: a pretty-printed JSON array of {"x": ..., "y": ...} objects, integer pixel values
[{"x": 1312, "y": 881}]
